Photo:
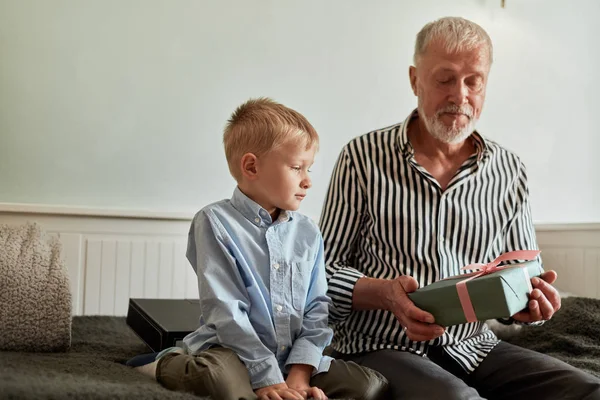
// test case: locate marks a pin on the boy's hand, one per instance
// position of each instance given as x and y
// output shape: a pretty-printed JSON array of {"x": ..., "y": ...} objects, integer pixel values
[
  {"x": 309, "y": 392},
  {"x": 299, "y": 379},
  {"x": 279, "y": 391}
]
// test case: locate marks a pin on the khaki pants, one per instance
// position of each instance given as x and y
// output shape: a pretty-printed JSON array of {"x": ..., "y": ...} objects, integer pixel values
[{"x": 219, "y": 373}]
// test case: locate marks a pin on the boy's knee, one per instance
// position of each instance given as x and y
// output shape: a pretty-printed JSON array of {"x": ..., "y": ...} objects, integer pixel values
[{"x": 217, "y": 372}]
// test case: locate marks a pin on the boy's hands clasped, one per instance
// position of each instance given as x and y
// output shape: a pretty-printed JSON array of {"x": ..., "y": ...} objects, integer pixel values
[
  {"x": 296, "y": 386},
  {"x": 279, "y": 391},
  {"x": 282, "y": 391},
  {"x": 299, "y": 380}
]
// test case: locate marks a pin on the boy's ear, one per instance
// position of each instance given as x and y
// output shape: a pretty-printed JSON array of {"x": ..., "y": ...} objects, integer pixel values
[{"x": 249, "y": 166}]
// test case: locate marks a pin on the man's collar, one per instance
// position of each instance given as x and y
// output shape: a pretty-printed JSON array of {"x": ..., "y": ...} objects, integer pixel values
[
  {"x": 404, "y": 146},
  {"x": 253, "y": 212},
  {"x": 406, "y": 149}
]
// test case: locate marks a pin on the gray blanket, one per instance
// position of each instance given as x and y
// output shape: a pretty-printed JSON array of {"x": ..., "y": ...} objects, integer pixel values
[
  {"x": 93, "y": 368},
  {"x": 572, "y": 335}
]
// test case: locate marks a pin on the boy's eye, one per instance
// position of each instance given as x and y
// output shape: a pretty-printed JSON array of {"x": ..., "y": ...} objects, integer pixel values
[{"x": 296, "y": 168}]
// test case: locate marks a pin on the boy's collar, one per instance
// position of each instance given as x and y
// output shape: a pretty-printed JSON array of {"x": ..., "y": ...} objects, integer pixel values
[{"x": 253, "y": 212}]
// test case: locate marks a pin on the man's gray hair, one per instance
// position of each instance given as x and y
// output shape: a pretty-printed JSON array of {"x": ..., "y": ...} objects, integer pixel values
[{"x": 455, "y": 33}]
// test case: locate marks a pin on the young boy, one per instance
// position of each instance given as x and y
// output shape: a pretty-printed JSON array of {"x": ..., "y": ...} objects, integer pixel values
[{"x": 261, "y": 277}]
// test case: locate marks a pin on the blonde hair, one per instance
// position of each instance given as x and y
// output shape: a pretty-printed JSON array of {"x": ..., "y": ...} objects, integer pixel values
[
  {"x": 261, "y": 125},
  {"x": 456, "y": 34}
]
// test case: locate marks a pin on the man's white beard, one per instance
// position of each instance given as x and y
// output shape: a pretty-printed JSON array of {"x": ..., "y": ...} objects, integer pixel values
[{"x": 450, "y": 135}]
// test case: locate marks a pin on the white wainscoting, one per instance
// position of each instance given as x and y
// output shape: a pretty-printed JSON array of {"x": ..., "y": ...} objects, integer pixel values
[
  {"x": 574, "y": 252},
  {"x": 114, "y": 255}
]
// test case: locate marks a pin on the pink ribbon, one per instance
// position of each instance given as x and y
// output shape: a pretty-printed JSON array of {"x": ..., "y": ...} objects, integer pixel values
[{"x": 485, "y": 269}]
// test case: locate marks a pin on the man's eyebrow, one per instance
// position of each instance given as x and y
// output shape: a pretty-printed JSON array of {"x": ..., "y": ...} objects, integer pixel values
[{"x": 447, "y": 69}]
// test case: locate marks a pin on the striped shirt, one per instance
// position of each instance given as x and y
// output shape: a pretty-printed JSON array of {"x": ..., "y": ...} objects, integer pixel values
[{"x": 386, "y": 216}]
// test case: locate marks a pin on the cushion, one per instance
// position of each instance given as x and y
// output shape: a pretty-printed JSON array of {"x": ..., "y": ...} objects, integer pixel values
[{"x": 35, "y": 300}]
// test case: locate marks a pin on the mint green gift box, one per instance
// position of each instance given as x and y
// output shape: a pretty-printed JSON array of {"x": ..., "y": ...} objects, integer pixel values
[{"x": 499, "y": 294}]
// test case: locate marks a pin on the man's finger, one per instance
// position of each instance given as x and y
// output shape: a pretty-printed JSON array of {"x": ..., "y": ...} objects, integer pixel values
[
  {"x": 420, "y": 328},
  {"x": 534, "y": 310},
  {"x": 548, "y": 291},
  {"x": 415, "y": 313},
  {"x": 409, "y": 284},
  {"x": 415, "y": 337},
  {"x": 420, "y": 332},
  {"x": 523, "y": 316},
  {"x": 546, "y": 308},
  {"x": 549, "y": 276}
]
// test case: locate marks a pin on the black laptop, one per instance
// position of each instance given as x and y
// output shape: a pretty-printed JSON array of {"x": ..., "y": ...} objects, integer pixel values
[{"x": 163, "y": 323}]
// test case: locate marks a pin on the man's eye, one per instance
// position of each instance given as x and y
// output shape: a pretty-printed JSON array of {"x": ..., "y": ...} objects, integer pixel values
[{"x": 475, "y": 83}]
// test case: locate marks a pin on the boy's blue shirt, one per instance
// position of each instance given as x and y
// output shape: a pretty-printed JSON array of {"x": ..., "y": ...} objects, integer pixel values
[{"x": 262, "y": 288}]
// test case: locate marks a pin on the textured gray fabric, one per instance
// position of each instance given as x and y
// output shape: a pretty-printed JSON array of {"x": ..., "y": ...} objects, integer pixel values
[
  {"x": 572, "y": 335},
  {"x": 35, "y": 299},
  {"x": 92, "y": 369}
]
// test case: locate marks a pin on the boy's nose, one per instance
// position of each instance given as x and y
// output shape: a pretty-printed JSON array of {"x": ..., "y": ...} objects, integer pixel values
[{"x": 306, "y": 183}]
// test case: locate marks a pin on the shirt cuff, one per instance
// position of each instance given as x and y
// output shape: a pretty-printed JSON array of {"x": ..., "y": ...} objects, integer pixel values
[
  {"x": 341, "y": 288},
  {"x": 511, "y": 320},
  {"x": 265, "y": 373},
  {"x": 304, "y": 352},
  {"x": 535, "y": 323}
]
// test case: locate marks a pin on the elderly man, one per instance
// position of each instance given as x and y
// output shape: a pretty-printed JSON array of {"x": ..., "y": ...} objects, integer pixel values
[{"x": 414, "y": 202}]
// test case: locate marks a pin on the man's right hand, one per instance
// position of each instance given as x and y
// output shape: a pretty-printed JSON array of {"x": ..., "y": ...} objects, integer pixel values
[
  {"x": 279, "y": 391},
  {"x": 418, "y": 324}
]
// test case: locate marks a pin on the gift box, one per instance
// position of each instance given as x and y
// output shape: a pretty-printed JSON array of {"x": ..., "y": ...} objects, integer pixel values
[
  {"x": 163, "y": 323},
  {"x": 495, "y": 292}
]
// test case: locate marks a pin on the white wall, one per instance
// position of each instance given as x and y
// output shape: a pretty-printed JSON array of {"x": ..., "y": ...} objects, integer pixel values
[{"x": 121, "y": 103}]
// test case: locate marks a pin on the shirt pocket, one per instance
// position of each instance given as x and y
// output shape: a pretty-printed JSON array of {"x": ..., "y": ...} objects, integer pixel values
[{"x": 300, "y": 281}]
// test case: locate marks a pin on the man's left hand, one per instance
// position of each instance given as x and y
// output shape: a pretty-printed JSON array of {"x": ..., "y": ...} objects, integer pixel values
[{"x": 544, "y": 299}]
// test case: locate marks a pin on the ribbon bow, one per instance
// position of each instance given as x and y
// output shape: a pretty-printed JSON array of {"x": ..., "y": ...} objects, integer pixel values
[{"x": 485, "y": 269}]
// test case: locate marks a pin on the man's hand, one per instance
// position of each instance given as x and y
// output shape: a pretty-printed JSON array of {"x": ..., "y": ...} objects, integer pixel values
[
  {"x": 279, "y": 391},
  {"x": 299, "y": 380},
  {"x": 419, "y": 324},
  {"x": 544, "y": 299}
]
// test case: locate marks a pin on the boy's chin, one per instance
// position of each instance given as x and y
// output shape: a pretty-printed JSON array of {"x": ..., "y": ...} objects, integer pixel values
[{"x": 291, "y": 206}]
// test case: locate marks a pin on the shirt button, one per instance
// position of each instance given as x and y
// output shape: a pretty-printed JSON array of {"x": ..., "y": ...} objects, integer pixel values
[
  {"x": 276, "y": 266},
  {"x": 257, "y": 220},
  {"x": 282, "y": 348},
  {"x": 279, "y": 308},
  {"x": 442, "y": 239}
]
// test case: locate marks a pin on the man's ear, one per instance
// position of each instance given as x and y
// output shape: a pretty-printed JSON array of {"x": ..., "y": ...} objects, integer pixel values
[
  {"x": 249, "y": 166},
  {"x": 412, "y": 74}
]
